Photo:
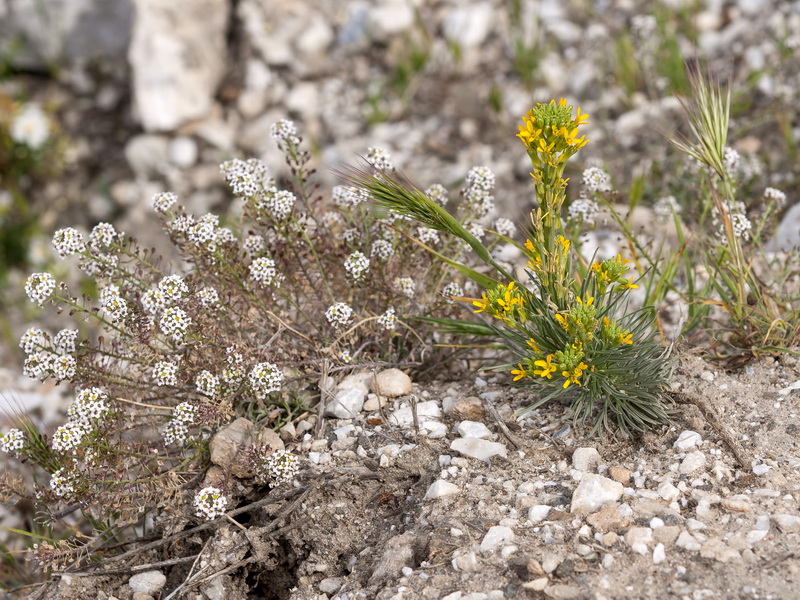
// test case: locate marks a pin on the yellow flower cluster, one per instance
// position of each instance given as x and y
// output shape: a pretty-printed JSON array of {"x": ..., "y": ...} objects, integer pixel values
[
  {"x": 612, "y": 271},
  {"x": 504, "y": 302},
  {"x": 550, "y": 133}
]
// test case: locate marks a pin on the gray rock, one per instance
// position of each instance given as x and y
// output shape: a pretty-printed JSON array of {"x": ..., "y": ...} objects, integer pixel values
[
  {"x": 686, "y": 440},
  {"x": 147, "y": 154},
  {"x": 473, "y": 429},
  {"x": 399, "y": 553},
  {"x": 496, "y": 537},
  {"x": 425, "y": 411},
  {"x": 177, "y": 55},
  {"x": 360, "y": 380},
  {"x": 228, "y": 444},
  {"x": 346, "y": 404},
  {"x": 594, "y": 492},
  {"x": 478, "y": 448},
  {"x": 586, "y": 459},
  {"x": 392, "y": 383},
  {"x": 149, "y": 582},
  {"x": 441, "y": 488},
  {"x": 330, "y": 585}
]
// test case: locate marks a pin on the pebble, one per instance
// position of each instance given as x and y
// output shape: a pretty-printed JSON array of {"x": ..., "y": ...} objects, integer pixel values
[
  {"x": 330, "y": 585},
  {"x": 716, "y": 549},
  {"x": 465, "y": 562},
  {"x": 468, "y": 409},
  {"x": 586, "y": 459},
  {"x": 686, "y": 440},
  {"x": 659, "y": 554},
  {"x": 497, "y": 536},
  {"x": 374, "y": 403},
  {"x": 787, "y": 523},
  {"x": 440, "y": 488},
  {"x": 149, "y": 582},
  {"x": 594, "y": 492},
  {"x": 346, "y": 404},
  {"x": 668, "y": 492},
  {"x": 392, "y": 383},
  {"x": 473, "y": 429},
  {"x": 183, "y": 151},
  {"x": 538, "y": 513},
  {"x": 620, "y": 474},
  {"x": 550, "y": 563},
  {"x": 692, "y": 462},
  {"x": 736, "y": 505},
  {"x": 404, "y": 416},
  {"x": 687, "y": 541},
  {"x": 478, "y": 448},
  {"x": 638, "y": 538},
  {"x": 606, "y": 519}
]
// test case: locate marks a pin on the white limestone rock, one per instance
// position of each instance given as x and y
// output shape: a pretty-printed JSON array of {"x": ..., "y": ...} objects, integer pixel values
[
  {"x": 496, "y": 537},
  {"x": 586, "y": 459},
  {"x": 346, "y": 404},
  {"x": 441, "y": 488},
  {"x": 687, "y": 440},
  {"x": 594, "y": 492},
  {"x": 473, "y": 429},
  {"x": 478, "y": 448}
]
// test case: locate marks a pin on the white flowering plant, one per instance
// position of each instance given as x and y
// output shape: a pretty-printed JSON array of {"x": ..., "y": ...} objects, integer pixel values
[{"x": 291, "y": 285}]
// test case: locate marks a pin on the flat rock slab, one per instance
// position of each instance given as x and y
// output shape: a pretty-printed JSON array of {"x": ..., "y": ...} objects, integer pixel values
[{"x": 478, "y": 448}]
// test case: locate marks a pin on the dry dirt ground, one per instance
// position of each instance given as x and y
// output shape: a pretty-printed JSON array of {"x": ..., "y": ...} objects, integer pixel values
[{"x": 713, "y": 516}]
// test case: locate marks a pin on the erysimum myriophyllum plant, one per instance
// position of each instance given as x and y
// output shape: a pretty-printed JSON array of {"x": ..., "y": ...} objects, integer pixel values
[{"x": 567, "y": 322}]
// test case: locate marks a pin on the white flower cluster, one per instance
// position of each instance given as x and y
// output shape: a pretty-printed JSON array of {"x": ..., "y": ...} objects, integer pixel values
[
  {"x": 388, "y": 320},
  {"x": 284, "y": 133},
  {"x": 68, "y": 241},
  {"x": 89, "y": 405},
  {"x": 176, "y": 431},
  {"x": 181, "y": 224},
  {"x": 63, "y": 367},
  {"x": 246, "y": 178},
  {"x": 505, "y": 227},
  {"x": 30, "y": 127},
  {"x": 476, "y": 230},
  {"x": 731, "y": 160},
  {"x": 32, "y": 339},
  {"x": 583, "y": 209},
  {"x": 254, "y": 244},
  {"x": 66, "y": 340},
  {"x": 381, "y": 249},
  {"x": 478, "y": 191},
  {"x": 351, "y": 235},
  {"x": 98, "y": 264},
  {"x": 163, "y": 201},
  {"x": 175, "y": 323},
  {"x": 207, "y": 384},
  {"x": 405, "y": 285},
  {"x": 438, "y": 193},
  {"x": 113, "y": 304},
  {"x": 279, "y": 203},
  {"x": 380, "y": 159},
  {"x": 666, "y": 206},
  {"x": 772, "y": 194},
  {"x": 12, "y": 441},
  {"x": 596, "y": 180},
  {"x": 165, "y": 372},
  {"x": 69, "y": 435},
  {"x": 39, "y": 287},
  {"x": 339, "y": 314},
  {"x": 38, "y": 365},
  {"x": 210, "y": 503},
  {"x": 265, "y": 378},
  {"x": 348, "y": 196},
  {"x": 263, "y": 271},
  {"x": 427, "y": 235},
  {"x": 62, "y": 482},
  {"x": 356, "y": 265},
  {"x": 102, "y": 236},
  {"x": 172, "y": 288},
  {"x": 208, "y": 296},
  {"x": 451, "y": 290},
  {"x": 739, "y": 222},
  {"x": 203, "y": 232},
  {"x": 233, "y": 374},
  {"x": 280, "y": 466}
]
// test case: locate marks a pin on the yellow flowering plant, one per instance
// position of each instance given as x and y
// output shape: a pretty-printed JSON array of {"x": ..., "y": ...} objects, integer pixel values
[{"x": 569, "y": 324}]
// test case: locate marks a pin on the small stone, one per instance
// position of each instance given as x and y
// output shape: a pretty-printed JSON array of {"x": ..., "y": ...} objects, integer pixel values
[
  {"x": 620, "y": 474},
  {"x": 563, "y": 591},
  {"x": 465, "y": 562},
  {"x": 735, "y": 505},
  {"x": 550, "y": 563},
  {"x": 686, "y": 440},
  {"x": 716, "y": 549},
  {"x": 227, "y": 444},
  {"x": 182, "y": 151},
  {"x": 610, "y": 538},
  {"x": 659, "y": 554},
  {"x": 586, "y": 459},
  {"x": 687, "y": 542},
  {"x": 478, "y": 448},
  {"x": 666, "y": 535},
  {"x": 468, "y": 409},
  {"x": 534, "y": 568},
  {"x": 392, "y": 383},
  {"x": 473, "y": 429},
  {"x": 638, "y": 538},
  {"x": 607, "y": 519},
  {"x": 330, "y": 585},
  {"x": 149, "y": 582},
  {"x": 147, "y": 154},
  {"x": 787, "y": 523},
  {"x": 594, "y": 492},
  {"x": 538, "y": 513},
  {"x": 668, "y": 491},
  {"x": 440, "y": 488},
  {"x": 655, "y": 523},
  {"x": 497, "y": 536},
  {"x": 346, "y": 404},
  {"x": 692, "y": 462},
  {"x": 761, "y": 470},
  {"x": 755, "y": 536},
  {"x": 374, "y": 402},
  {"x": 404, "y": 416},
  {"x": 359, "y": 379},
  {"x": 536, "y": 584}
]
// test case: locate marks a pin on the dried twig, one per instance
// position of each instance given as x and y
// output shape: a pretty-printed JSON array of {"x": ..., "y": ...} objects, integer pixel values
[
  {"x": 125, "y": 570},
  {"x": 503, "y": 427}
]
